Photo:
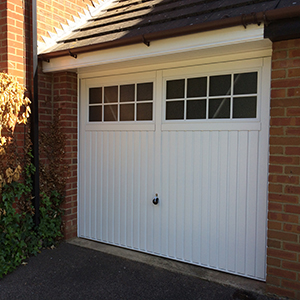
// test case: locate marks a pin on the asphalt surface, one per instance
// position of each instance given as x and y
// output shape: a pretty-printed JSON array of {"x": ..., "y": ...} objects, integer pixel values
[{"x": 72, "y": 272}]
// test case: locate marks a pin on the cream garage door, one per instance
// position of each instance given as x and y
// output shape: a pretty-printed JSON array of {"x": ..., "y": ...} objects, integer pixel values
[{"x": 174, "y": 163}]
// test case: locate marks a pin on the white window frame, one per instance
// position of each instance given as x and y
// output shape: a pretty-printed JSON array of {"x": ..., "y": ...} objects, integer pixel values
[
  {"x": 117, "y": 81},
  {"x": 159, "y": 95},
  {"x": 244, "y": 66}
]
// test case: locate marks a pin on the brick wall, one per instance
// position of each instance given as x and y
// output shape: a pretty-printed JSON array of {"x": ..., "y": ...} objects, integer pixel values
[
  {"x": 3, "y": 31},
  {"x": 59, "y": 91},
  {"x": 55, "y": 90},
  {"x": 13, "y": 26},
  {"x": 284, "y": 178},
  {"x": 15, "y": 22},
  {"x": 52, "y": 13},
  {"x": 15, "y": 51},
  {"x": 65, "y": 93}
]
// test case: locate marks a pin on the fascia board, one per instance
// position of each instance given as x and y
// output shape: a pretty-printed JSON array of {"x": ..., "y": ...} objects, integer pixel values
[{"x": 184, "y": 44}]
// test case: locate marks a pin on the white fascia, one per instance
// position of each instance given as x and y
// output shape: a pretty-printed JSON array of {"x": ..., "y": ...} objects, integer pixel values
[{"x": 161, "y": 48}]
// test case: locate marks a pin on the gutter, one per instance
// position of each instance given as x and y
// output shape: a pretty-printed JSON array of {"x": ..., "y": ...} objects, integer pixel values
[{"x": 247, "y": 19}]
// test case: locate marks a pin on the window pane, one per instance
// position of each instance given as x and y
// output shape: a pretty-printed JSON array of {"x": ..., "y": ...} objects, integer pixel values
[
  {"x": 95, "y": 113},
  {"x": 220, "y": 85},
  {"x": 196, "y": 87},
  {"x": 127, "y": 92},
  {"x": 145, "y": 91},
  {"x": 245, "y": 83},
  {"x": 144, "y": 112},
  {"x": 219, "y": 108},
  {"x": 175, "y": 89},
  {"x": 110, "y": 94},
  {"x": 111, "y": 113},
  {"x": 244, "y": 107},
  {"x": 95, "y": 95},
  {"x": 175, "y": 110},
  {"x": 127, "y": 112},
  {"x": 196, "y": 109}
]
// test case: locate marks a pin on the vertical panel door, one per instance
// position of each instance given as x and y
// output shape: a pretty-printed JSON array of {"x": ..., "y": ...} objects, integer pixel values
[{"x": 202, "y": 149}]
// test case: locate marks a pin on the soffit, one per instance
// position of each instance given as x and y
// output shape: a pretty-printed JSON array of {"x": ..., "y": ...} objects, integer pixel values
[{"x": 204, "y": 45}]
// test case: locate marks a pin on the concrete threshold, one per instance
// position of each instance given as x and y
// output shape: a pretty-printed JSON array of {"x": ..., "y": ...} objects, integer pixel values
[{"x": 241, "y": 283}]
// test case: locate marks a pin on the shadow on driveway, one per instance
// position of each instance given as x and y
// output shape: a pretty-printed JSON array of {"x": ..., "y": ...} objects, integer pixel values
[{"x": 72, "y": 272}]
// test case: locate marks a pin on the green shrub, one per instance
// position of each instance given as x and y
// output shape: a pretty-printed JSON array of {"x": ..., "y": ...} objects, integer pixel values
[
  {"x": 50, "y": 219},
  {"x": 19, "y": 238}
]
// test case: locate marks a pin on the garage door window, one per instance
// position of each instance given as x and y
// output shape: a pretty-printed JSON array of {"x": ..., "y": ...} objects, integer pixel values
[
  {"x": 229, "y": 96},
  {"x": 121, "y": 103}
]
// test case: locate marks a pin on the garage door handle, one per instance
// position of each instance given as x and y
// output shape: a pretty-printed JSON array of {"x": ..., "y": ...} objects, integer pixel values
[{"x": 155, "y": 200}]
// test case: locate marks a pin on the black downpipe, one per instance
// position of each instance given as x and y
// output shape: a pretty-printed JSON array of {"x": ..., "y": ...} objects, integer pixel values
[{"x": 35, "y": 118}]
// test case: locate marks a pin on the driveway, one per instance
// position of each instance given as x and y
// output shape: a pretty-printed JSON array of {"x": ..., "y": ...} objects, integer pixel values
[{"x": 73, "y": 272}]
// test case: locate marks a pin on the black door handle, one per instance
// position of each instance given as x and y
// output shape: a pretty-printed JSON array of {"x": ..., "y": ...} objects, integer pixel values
[{"x": 155, "y": 200}]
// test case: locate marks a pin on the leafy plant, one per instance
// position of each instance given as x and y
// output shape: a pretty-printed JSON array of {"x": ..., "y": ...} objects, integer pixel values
[
  {"x": 19, "y": 237},
  {"x": 53, "y": 173},
  {"x": 51, "y": 219},
  {"x": 53, "y": 169},
  {"x": 12, "y": 100}
]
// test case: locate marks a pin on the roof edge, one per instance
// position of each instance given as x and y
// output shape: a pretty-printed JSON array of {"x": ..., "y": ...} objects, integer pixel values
[
  {"x": 265, "y": 17},
  {"x": 78, "y": 20}
]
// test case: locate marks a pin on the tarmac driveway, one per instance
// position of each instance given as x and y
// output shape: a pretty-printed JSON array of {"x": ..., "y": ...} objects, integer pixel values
[{"x": 73, "y": 272}]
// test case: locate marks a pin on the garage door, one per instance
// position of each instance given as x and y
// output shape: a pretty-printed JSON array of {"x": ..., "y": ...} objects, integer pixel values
[{"x": 174, "y": 163}]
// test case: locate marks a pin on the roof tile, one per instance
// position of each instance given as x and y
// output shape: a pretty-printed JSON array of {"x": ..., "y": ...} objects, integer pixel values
[{"x": 131, "y": 18}]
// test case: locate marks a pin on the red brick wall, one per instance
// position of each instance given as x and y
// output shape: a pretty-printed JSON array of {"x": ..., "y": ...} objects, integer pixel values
[
  {"x": 52, "y": 13},
  {"x": 3, "y": 36},
  {"x": 14, "y": 22},
  {"x": 284, "y": 178},
  {"x": 12, "y": 36},
  {"x": 65, "y": 93},
  {"x": 16, "y": 60},
  {"x": 14, "y": 33},
  {"x": 59, "y": 91}
]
